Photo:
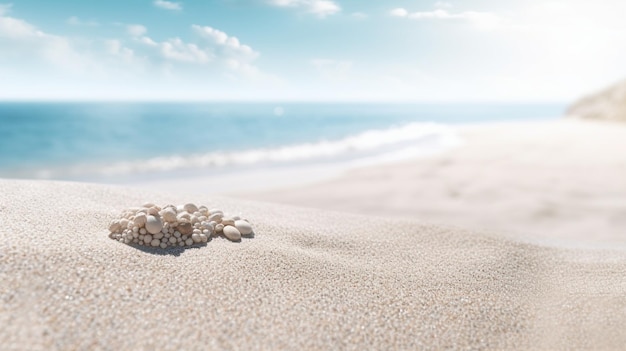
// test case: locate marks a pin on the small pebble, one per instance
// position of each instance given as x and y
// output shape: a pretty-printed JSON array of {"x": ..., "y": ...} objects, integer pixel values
[
  {"x": 155, "y": 242},
  {"x": 154, "y": 224},
  {"x": 231, "y": 233},
  {"x": 244, "y": 227},
  {"x": 183, "y": 215},
  {"x": 140, "y": 219},
  {"x": 219, "y": 228},
  {"x": 217, "y": 217},
  {"x": 185, "y": 228},
  {"x": 191, "y": 208},
  {"x": 169, "y": 215},
  {"x": 115, "y": 226}
]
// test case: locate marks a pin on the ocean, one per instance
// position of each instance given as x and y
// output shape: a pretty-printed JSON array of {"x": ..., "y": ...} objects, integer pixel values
[{"x": 115, "y": 141}]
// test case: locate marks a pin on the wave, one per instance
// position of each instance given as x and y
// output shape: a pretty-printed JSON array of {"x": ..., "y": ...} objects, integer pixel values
[{"x": 405, "y": 140}]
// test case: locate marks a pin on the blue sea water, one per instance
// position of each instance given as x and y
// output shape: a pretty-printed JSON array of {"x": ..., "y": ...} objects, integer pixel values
[{"x": 100, "y": 140}]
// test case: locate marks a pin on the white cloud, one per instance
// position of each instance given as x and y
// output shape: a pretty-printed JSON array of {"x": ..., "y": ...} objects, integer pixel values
[
  {"x": 115, "y": 48},
  {"x": 75, "y": 21},
  {"x": 214, "y": 34},
  {"x": 483, "y": 20},
  {"x": 123, "y": 67},
  {"x": 26, "y": 41},
  {"x": 136, "y": 30},
  {"x": 168, "y": 5},
  {"x": 230, "y": 46},
  {"x": 321, "y": 8},
  {"x": 399, "y": 12},
  {"x": 177, "y": 50}
]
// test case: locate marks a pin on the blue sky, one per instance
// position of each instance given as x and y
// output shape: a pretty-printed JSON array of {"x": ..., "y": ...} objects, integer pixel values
[{"x": 387, "y": 50}]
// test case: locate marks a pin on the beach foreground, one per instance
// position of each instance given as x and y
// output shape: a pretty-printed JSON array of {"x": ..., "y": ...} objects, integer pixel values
[{"x": 309, "y": 279}]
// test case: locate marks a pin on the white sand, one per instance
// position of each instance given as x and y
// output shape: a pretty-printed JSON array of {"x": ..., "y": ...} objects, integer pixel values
[
  {"x": 555, "y": 183},
  {"x": 309, "y": 279},
  {"x": 313, "y": 279}
]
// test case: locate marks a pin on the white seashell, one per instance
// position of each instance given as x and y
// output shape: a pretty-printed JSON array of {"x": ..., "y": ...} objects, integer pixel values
[{"x": 184, "y": 225}]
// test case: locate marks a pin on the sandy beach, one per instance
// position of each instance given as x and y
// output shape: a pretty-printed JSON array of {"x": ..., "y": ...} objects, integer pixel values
[
  {"x": 397, "y": 273},
  {"x": 559, "y": 182}
]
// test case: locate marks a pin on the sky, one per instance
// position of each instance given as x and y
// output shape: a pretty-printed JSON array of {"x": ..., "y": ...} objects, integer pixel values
[{"x": 310, "y": 50}]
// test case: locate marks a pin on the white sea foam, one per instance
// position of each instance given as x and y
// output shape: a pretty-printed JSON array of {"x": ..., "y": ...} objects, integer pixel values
[{"x": 391, "y": 143}]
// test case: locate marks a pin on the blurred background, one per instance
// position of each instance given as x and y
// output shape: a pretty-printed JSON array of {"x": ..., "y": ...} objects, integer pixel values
[{"x": 450, "y": 112}]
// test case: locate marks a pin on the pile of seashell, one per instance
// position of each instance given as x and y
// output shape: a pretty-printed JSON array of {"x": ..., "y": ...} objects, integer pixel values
[{"x": 183, "y": 225}]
